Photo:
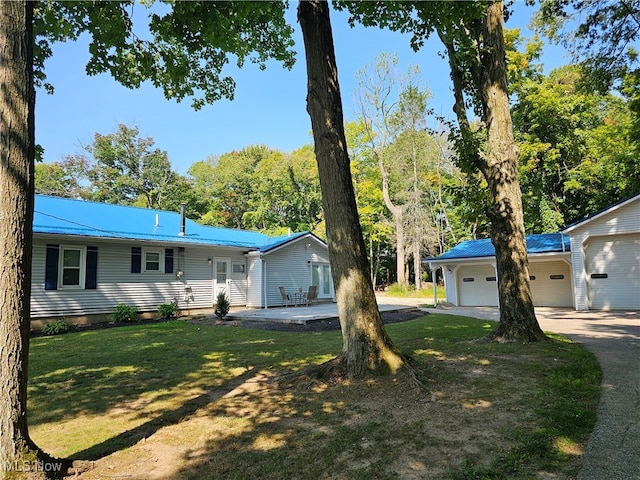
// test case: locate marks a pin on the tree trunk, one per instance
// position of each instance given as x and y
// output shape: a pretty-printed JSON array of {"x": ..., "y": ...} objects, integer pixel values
[
  {"x": 16, "y": 223},
  {"x": 401, "y": 261},
  {"x": 366, "y": 345},
  {"x": 417, "y": 267},
  {"x": 517, "y": 317}
]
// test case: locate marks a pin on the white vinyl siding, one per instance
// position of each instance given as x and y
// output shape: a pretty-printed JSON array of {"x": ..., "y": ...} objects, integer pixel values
[
  {"x": 116, "y": 284},
  {"x": 290, "y": 267}
]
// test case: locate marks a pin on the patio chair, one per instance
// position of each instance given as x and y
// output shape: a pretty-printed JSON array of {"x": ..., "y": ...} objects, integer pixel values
[
  {"x": 312, "y": 295},
  {"x": 286, "y": 299}
]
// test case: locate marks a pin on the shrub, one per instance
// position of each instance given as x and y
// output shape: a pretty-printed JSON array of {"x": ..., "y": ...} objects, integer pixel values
[
  {"x": 222, "y": 305},
  {"x": 55, "y": 328},
  {"x": 168, "y": 310},
  {"x": 124, "y": 313}
]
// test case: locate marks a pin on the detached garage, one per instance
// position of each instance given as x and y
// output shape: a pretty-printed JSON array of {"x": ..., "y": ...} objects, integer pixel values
[
  {"x": 470, "y": 273},
  {"x": 592, "y": 264},
  {"x": 605, "y": 252}
]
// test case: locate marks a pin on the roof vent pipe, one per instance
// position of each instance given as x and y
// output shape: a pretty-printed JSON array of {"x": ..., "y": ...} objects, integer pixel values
[{"x": 182, "y": 220}]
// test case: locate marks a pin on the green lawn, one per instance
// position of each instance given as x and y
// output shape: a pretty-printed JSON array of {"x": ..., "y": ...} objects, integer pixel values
[{"x": 483, "y": 410}]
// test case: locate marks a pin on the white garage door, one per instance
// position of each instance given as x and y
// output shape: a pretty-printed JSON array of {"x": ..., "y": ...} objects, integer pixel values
[
  {"x": 613, "y": 272},
  {"x": 550, "y": 284},
  {"x": 477, "y": 286}
]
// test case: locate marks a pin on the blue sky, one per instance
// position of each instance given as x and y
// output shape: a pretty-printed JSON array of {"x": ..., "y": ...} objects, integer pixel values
[{"x": 269, "y": 106}]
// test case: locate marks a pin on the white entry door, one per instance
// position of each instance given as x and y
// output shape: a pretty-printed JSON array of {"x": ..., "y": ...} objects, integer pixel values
[
  {"x": 321, "y": 276},
  {"x": 220, "y": 277}
]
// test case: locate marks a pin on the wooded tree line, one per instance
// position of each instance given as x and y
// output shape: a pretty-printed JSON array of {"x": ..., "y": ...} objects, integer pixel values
[
  {"x": 187, "y": 49},
  {"x": 578, "y": 154}
]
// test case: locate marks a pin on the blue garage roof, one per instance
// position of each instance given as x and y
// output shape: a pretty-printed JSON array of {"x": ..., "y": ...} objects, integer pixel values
[
  {"x": 63, "y": 216},
  {"x": 540, "y": 243}
]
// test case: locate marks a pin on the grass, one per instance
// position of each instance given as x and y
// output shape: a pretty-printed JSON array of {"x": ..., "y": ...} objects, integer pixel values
[
  {"x": 409, "y": 291},
  {"x": 188, "y": 396}
]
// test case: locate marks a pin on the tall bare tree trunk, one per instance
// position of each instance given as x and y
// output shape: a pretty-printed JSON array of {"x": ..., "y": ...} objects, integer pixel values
[
  {"x": 17, "y": 101},
  {"x": 366, "y": 346},
  {"x": 517, "y": 316}
]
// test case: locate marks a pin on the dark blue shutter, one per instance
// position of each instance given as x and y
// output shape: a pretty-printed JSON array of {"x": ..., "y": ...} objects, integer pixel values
[
  {"x": 91, "y": 276},
  {"x": 51, "y": 267},
  {"x": 168, "y": 260},
  {"x": 136, "y": 259}
]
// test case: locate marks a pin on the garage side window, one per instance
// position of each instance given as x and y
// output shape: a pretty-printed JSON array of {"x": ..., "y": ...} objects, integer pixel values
[{"x": 599, "y": 275}]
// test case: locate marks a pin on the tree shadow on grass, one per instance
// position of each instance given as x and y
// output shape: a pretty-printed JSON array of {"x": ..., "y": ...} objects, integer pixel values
[{"x": 131, "y": 437}]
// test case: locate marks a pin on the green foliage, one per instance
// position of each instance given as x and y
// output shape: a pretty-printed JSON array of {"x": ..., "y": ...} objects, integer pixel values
[
  {"x": 409, "y": 291},
  {"x": 186, "y": 50},
  {"x": 62, "y": 179},
  {"x": 576, "y": 157},
  {"x": 168, "y": 310},
  {"x": 127, "y": 169},
  {"x": 222, "y": 305},
  {"x": 600, "y": 35},
  {"x": 124, "y": 313},
  {"x": 260, "y": 188},
  {"x": 121, "y": 168},
  {"x": 55, "y": 328}
]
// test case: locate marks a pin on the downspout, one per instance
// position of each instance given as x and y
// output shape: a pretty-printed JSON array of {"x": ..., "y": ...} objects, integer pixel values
[
  {"x": 264, "y": 281},
  {"x": 433, "y": 283}
]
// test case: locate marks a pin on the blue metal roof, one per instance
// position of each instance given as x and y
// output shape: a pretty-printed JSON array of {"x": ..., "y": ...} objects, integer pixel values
[
  {"x": 540, "y": 243},
  {"x": 64, "y": 216}
]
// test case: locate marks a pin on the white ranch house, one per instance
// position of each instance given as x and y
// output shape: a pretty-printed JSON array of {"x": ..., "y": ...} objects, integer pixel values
[
  {"x": 593, "y": 264},
  {"x": 88, "y": 257}
]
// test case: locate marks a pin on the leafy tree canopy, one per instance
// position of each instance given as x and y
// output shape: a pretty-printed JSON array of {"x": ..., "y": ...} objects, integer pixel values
[{"x": 185, "y": 50}]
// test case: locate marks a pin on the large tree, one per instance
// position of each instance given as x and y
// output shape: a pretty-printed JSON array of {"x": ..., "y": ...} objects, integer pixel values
[
  {"x": 17, "y": 101},
  {"x": 127, "y": 169},
  {"x": 472, "y": 34},
  {"x": 366, "y": 347}
]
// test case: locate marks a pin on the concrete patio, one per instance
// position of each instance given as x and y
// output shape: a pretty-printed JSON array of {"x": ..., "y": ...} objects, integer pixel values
[{"x": 317, "y": 311}]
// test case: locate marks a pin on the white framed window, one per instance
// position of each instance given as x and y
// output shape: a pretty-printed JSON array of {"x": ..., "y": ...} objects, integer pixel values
[
  {"x": 72, "y": 267},
  {"x": 239, "y": 268},
  {"x": 152, "y": 261}
]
